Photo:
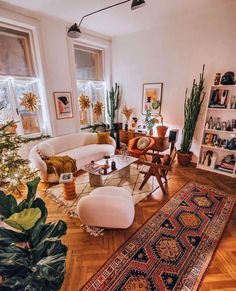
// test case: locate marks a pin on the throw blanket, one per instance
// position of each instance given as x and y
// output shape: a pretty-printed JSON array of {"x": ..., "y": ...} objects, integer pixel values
[{"x": 60, "y": 164}]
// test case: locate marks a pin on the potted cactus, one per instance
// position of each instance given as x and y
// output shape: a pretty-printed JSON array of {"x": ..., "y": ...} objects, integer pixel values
[
  {"x": 113, "y": 103},
  {"x": 192, "y": 106}
]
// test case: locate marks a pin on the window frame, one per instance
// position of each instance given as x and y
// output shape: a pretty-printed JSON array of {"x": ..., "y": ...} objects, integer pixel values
[{"x": 36, "y": 64}]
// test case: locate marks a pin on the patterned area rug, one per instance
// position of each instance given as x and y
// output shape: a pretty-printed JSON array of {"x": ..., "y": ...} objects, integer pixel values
[
  {"x": 172, "y": 250},
  {"x": 83, "y": 188}
]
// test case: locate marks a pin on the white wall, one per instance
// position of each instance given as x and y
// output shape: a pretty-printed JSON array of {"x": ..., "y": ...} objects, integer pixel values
[
  {"x": 56, "y": 52},
  {"x": 174, "y": 53}
]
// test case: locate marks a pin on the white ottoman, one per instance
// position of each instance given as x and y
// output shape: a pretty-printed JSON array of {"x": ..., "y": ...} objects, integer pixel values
[{"x": 107, "y": 207}]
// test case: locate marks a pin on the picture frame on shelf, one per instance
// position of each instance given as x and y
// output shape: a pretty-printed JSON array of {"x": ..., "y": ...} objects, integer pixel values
[
  {"x": 151, "y": 92},
  {"x": 63, "y": 105}
]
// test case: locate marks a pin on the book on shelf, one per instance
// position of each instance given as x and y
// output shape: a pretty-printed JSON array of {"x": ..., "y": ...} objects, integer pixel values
[
  {"x": 223, "y": 169},
  {"x": 217, "y": 106}
]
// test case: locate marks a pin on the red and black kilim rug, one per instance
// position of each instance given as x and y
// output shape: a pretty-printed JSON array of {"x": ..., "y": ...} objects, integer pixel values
[{"x": 172, "y": 250}]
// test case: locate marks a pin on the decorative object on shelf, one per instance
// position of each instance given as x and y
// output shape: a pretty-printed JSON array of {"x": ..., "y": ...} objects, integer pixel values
[
  {"x": 192, "y": 106},
  {"x": 127, "y": 113},
  {"x": 219, "y": 98},
  {"x": 152, "y": 92},
  {"x": 134, "y": 122},
  {"x": 217, "y": 79},
  {"x": 30, "y": 101},
  {"x": 217, "y": 124},
  {"x": 84, "y": 102},
  {"x": 233, "y": 102},
  {"x": 63, "y": 105},
  {"x": 227, "y": 164},
  {"x": 98, "y": 109},
  {"x": 228, "y": 79},
  {"x": 113, "y": 104}
]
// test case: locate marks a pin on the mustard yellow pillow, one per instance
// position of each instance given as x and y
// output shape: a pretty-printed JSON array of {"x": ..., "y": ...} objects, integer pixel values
[{"x": 103, "y": 137}]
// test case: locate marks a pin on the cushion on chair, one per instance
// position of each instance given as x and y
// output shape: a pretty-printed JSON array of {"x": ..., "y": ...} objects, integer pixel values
[
  {"x": 143, "y": 142},
  {"x": 103, "y": 137},
  {"x": 107, "y": 206}
]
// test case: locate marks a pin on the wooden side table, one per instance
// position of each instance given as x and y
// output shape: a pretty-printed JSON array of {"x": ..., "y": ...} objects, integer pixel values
[{"x": 67, "y": 179}]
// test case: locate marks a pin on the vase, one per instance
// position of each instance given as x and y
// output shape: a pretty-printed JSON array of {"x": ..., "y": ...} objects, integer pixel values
[
  {"x": 151, "y": 131},
  {"x": 126, "y": 127},
  {"x": 161, "y": 131}
]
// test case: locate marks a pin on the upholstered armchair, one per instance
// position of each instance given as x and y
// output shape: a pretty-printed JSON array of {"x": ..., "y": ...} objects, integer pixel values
[{"x": 138, "y": 146}]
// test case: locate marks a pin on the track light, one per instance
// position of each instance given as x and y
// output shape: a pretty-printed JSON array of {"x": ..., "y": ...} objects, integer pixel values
[{"x": 74, "y": 31}]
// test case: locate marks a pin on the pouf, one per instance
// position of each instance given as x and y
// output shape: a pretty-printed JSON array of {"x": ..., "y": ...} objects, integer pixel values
[{"x": 108, "y": 206}]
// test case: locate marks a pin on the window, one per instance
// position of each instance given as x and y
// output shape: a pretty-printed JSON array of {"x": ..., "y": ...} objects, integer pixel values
[
  {"x": 91, "y": 87},
  {"x": 18, "y": 82}
]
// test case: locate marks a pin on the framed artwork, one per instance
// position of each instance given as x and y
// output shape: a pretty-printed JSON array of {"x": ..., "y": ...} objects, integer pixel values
[
  {"x": 63, "y": 105},
  {"x": 151, "y": 92}
]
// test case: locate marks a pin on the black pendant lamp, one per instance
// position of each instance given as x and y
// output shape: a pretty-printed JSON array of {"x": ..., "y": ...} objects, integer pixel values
[
  {"x": 74, "y": 31},
  {"x": 137, "y": 4}
]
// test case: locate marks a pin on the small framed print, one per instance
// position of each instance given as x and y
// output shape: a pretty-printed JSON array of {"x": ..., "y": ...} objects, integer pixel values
[
  {"x": 63, "y": 104},
  {"x": 151, "y": 92}
]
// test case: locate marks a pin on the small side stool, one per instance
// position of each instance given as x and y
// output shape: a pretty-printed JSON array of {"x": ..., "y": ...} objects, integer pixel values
[
  {"x": 108, "y": 206},
  {"x": 67, "y": 180}
]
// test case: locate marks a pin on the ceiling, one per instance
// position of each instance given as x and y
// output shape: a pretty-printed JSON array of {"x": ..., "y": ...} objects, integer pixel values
[{"x": 118, "y": 20}]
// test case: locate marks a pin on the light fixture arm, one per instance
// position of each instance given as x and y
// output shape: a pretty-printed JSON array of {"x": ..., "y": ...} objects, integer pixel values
[{"x": 105, "y": 8}]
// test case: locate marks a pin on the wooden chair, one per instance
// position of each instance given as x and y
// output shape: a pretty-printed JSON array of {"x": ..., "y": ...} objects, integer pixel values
[
  {"x": 158, "y": 169},
  {"x": 137, "y": 153}
]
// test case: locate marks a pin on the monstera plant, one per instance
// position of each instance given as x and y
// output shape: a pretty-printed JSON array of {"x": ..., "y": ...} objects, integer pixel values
[{"x": 32, "y": 256}]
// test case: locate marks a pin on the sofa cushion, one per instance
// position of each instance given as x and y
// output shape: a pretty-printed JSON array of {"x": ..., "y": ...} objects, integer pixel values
[
  {"x": 85, "y": 154},
  {"x": 103, "y": 137}
]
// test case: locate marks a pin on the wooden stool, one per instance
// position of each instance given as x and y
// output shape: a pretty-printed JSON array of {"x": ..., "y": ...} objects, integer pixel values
[{"x": 69, "y": 186}]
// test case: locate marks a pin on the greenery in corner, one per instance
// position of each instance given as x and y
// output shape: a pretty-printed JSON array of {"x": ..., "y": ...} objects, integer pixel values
[
  {"x": 31, "y": 253},
  {"x": 113, "y": 103},
  {"x": 192, "y": 106}
]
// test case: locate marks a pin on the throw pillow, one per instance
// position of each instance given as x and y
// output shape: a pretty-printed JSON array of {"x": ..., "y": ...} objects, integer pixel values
[
  {"x": 103, "y": 137},
  {"x": 142, "y": 143}
]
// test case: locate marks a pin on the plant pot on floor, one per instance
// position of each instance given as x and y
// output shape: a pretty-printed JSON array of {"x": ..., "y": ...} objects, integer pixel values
[
  {"x": 184, "y": 159},
  {"x": 161, "y": 131}
]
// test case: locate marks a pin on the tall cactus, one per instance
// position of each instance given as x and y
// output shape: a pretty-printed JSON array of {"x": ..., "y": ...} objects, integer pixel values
[
  {"x": 192, "y": 106},
  {"x": 113, "y": 103}
]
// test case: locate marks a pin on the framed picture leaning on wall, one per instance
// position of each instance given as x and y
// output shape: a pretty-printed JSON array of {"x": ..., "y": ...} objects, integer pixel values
[
  {"x": 63, "y": 104},
  {"x": 151, "y": 92}
]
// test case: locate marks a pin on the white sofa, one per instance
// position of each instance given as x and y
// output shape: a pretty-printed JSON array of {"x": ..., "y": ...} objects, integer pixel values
[{"x": 83, "y": 147}]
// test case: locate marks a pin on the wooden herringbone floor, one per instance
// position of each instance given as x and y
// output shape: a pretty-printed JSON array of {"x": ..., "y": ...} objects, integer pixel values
[{"x": 86, "y": 254}]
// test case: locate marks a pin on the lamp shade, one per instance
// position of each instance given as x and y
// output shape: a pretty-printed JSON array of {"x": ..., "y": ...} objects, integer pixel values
[
  {"x": 74, "y": 31},
  {"x": 137, "y": 4}
]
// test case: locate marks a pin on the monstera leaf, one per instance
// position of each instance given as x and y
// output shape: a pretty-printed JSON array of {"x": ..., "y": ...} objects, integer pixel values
[{"x": 25, "y": 219}]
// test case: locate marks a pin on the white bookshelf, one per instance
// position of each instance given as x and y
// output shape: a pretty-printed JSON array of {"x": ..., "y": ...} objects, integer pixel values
[{"x": 224, "y": 115}]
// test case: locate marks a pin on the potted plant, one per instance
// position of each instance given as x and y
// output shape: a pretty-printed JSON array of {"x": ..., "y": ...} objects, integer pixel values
[
  {"x": 151, "y": 121},
  {"x": 192, "y": 106}
]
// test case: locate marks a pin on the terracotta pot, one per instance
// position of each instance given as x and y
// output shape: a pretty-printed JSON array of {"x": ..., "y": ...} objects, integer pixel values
[
  {"x": 161, "y": 131},
  {"x": 184, "y": 159}
]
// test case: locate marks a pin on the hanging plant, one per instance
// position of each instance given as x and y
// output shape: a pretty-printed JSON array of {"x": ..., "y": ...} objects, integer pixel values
[
  {"x": 84, "y": 102},
  {"x": 98, "y": 108},
  {"x": 30, "y": 101}
]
